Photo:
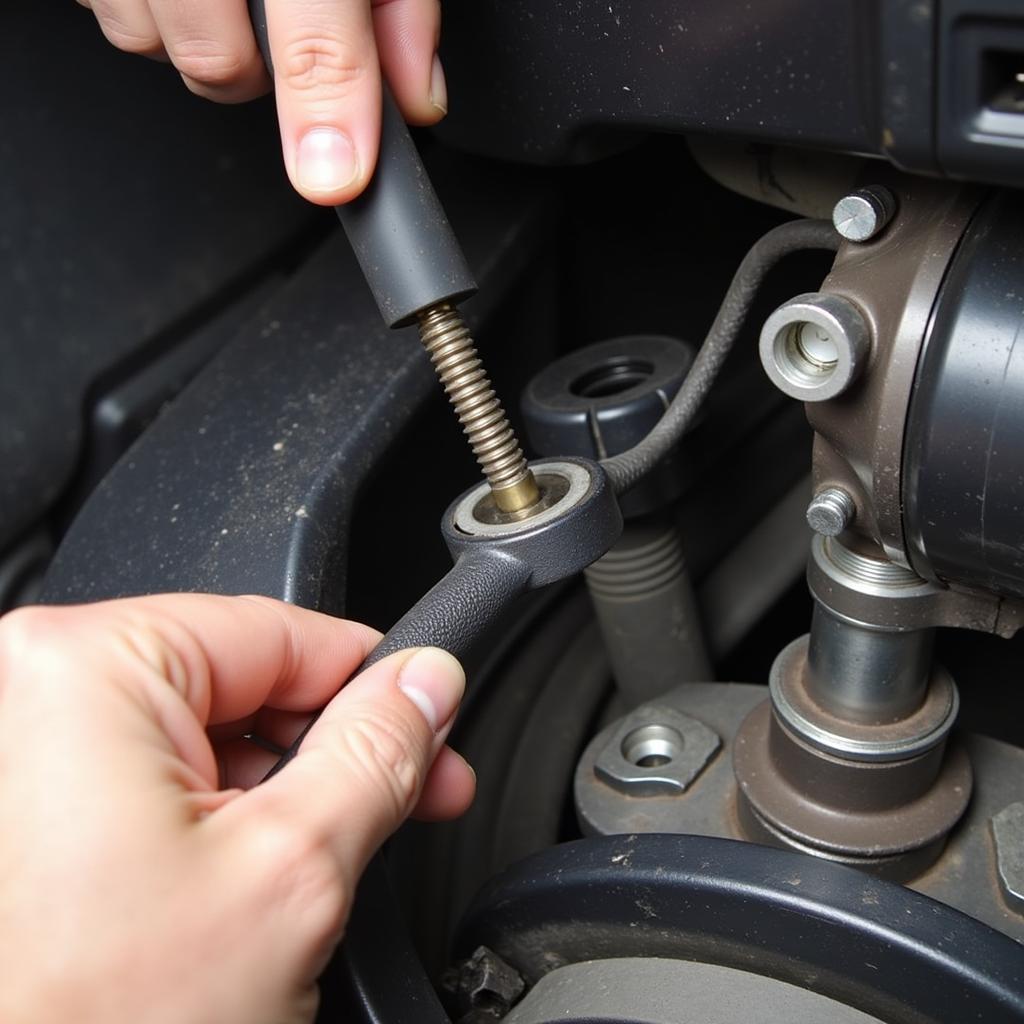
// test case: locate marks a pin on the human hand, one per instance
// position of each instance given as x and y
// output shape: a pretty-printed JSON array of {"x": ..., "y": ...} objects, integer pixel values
[
  {"x": 141, "y": 879},
  {"x": 327, "y": 74}
]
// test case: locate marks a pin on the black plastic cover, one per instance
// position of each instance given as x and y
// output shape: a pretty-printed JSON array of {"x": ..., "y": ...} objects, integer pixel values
[
  {"x": 126, "y": 220},
  {"x": 829, "y": 928}
]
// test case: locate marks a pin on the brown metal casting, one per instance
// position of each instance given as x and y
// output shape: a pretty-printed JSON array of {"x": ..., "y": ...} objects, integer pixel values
[
  {"x": 893, "y": 280},
  {"x": 889, "y": 817}
]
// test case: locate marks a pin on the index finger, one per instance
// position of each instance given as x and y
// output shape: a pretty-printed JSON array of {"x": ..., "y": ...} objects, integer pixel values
[{"x": 226, "y": 656}]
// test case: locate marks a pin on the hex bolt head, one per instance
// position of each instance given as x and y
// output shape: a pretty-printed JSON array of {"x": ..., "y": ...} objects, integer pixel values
[
  {"x": 862, "y": 215},
  {"x": 1008, "y": 833},
  {"x": 831, "y": 512}
]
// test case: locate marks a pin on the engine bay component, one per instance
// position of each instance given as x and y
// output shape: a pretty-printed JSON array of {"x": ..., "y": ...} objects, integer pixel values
[
  {"x": 962, "y": 483},
  {"x": 447, "y": 340},
  {"x": 629, "y": 467},
  {"x": 863, "y": 214},
  {"x": 499, "y": 556},
  {"x": 867, "y": 943},
  {"x": 651, "y": 990},
  {"x": 600, "y": 401},
  {"x": 963, "y": 876},
  {"x": 815, "y": 346},
  {"x": 893, "y": 280},
  {"x": 831, "y": 512},
  {"x": 654, "y": 750}
]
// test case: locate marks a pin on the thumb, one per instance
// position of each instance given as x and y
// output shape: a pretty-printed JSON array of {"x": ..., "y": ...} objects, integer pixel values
[{"x": 360, "y": 770}]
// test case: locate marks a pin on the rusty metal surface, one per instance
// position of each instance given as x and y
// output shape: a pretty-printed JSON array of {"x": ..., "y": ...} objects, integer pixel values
[{"x": 889, "y": 818}]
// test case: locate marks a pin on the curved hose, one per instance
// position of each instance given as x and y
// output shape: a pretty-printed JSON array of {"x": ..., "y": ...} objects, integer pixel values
[{"x": 628, "y": 468}]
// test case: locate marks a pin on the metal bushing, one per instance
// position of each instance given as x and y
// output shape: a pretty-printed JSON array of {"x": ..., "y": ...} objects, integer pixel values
[
  {"x": 805, "y": 718},
  {"x": 578, "y": 521},
  {"x": 882, "y": 797},
  {"x": 815, "y": 346}
]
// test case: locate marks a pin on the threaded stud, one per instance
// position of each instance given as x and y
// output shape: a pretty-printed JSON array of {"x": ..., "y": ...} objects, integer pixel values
[{"x": 448, "y": 342}]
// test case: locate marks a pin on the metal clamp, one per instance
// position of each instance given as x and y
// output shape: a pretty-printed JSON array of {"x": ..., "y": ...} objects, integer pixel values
[{"x": 656, "y": 751}]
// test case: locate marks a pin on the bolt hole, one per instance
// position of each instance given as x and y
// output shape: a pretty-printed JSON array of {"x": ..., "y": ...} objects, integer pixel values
[
  {"x": 614, "y": 377},
  {"x": 652, "y": 746}
]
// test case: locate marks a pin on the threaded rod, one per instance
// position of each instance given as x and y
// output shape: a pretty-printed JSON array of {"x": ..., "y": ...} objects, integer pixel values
[{"x": 447, "y": 339}]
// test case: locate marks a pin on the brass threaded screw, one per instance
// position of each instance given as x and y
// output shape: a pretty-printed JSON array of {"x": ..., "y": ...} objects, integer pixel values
[{"x": 447, "y": 340}]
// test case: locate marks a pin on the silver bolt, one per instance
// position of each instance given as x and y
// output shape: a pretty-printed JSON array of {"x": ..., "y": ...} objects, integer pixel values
[
  {"x": 831, "y": 511},
  {"x": 863, "y": 214},
  {"x": 1008, "y": 833}
]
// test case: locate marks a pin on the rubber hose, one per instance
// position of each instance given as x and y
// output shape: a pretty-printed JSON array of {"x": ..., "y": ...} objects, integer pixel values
[{"x": 630, "y": 467}]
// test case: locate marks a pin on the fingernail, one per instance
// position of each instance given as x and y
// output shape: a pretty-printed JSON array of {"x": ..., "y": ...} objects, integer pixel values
[
  {"x": 434, "y": 681},
  {"x": 326, "y": 160},
  {"x": 438, "y": 86}
]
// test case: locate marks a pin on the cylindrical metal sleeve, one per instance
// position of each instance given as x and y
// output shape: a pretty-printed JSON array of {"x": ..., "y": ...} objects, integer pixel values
[
  {"x": 872, "y": 676},
  {"x": 397, "y": 228}
]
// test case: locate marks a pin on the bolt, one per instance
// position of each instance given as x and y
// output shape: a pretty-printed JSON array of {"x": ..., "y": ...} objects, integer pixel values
[
  {"x": 447, "y": 339},
  {"x": 863, "y": 214},
  {"x": 1008, "y": 833},
  {"x": 831, "y": 512},
  {"x": 485, "y": 987}
]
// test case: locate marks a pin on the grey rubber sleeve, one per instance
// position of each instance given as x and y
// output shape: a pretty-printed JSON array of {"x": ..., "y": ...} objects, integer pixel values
[
  {"x": 397, "y": 228},
  {"x": 630, "y": 467}
]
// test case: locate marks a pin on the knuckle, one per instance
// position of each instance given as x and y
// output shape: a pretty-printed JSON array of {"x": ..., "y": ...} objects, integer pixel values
[
  {"x": 125, "y": 38},
  {"x": 320, "y": 64},
  {"x": 25, "y": 632},
  {"x": 207, "y": 64},
  {"x": 380, "y": 747}
]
